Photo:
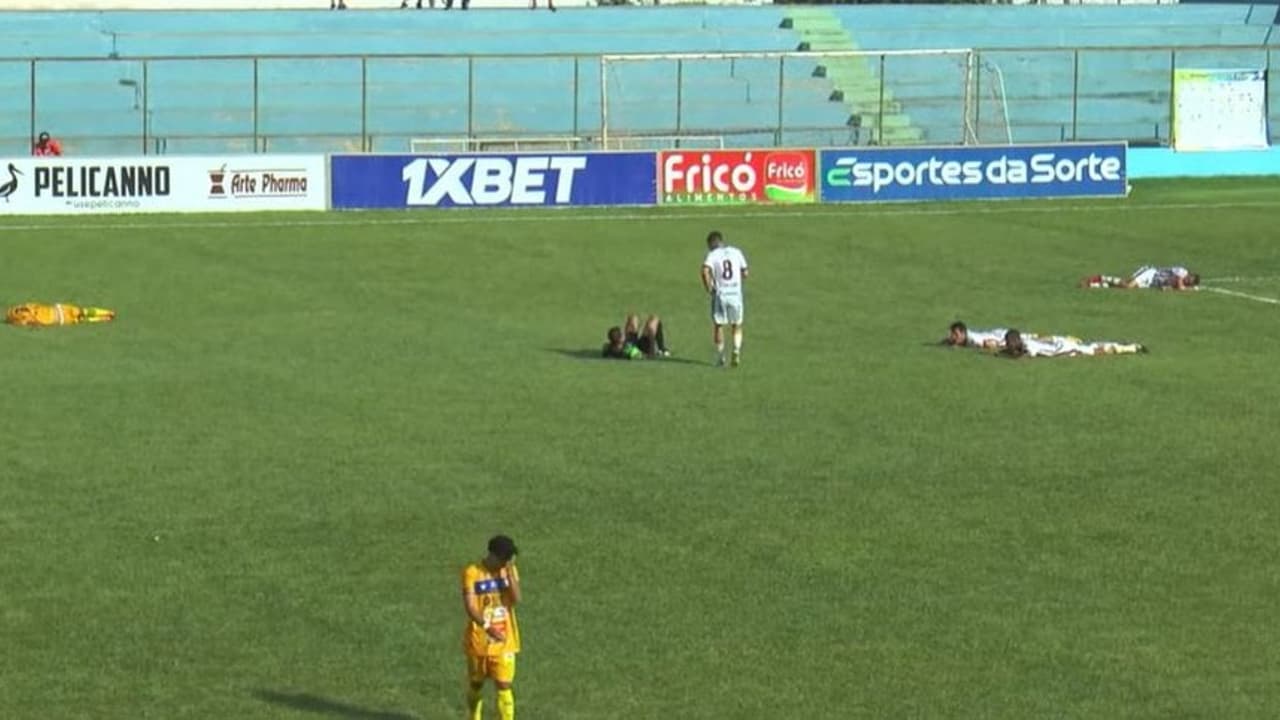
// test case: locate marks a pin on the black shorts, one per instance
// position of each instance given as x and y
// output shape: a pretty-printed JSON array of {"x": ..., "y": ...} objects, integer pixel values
[{"x": 643, "y": 343}]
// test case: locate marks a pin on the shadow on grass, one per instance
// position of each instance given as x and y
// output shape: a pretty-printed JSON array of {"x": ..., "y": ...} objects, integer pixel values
[
  {"x": 595, "y": 355},
  {"x": 305, "y": 702}
]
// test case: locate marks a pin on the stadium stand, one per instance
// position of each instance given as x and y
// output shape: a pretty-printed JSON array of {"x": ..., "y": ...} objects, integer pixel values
[{"x": 223, "y": 81}]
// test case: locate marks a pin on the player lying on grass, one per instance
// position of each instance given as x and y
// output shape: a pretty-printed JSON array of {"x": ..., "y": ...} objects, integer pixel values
[
  {"x": 1147, "y": 277},
  {"x": 633, "y": 342},
  {"x": 41, "y": 315},
  {"x": 959, "y": 335},
  {"x": 1017, "y": 345}
]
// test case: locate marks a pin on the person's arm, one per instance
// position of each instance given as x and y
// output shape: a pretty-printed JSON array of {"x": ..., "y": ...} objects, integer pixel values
[
  {"x": 472, "y": 607},
  {"x": 708, "y": 283},
  {"x": 477, "y": 616},
  {"x": 513, "y": 585}
]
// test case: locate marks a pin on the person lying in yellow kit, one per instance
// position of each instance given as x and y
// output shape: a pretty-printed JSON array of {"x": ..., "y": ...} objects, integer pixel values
[{"x": 41, "y": 315}]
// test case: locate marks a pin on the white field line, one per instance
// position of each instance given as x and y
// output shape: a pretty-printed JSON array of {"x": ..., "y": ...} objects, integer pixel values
[
  {"x": 1246, "y": 296},
  {"x": 1272, "y": 278},
  {"x": 532, "y": 215}
]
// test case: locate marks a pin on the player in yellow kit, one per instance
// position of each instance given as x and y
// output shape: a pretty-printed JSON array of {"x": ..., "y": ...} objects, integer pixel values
[
  {"x": 41, "y": 315},
  {"x": 490, "y": 593}
]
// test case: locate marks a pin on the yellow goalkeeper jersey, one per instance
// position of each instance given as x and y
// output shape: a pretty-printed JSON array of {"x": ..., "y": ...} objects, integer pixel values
[{"x": 494, "y": 600}]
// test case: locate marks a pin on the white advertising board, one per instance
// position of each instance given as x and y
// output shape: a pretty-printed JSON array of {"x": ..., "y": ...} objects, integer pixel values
[
  {"x": 1219, "y": 109},
  {"x": 159, "y": 183}
]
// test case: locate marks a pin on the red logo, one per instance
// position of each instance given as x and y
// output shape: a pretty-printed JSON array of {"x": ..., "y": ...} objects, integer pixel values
[{"x": 736, "y": 176}]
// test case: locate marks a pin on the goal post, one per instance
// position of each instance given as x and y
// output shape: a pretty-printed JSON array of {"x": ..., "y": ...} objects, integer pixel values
[{"x": 800, "y": 98}]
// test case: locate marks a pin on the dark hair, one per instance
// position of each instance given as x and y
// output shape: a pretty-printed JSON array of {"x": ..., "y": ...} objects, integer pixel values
[
  {"x": 714, "y": 237},
  {"x": 1193, "y": 279},
  {"x": 1013, "y": 345},
  {"x": 957, "y": 325},
  {"x": 502, "y": 547},
  {"x": 43, "y": 136},
  {"x": 614, "y": 334}
]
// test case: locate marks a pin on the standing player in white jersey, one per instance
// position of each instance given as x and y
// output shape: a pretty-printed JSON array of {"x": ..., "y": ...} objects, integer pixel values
[{"x": 723, "y": 273}]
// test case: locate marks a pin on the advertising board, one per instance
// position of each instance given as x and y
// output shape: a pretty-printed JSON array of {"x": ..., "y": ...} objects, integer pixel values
[
  {"x": 959, "y": 173},
  {"x": 493, "y": 180},
  {"x": 735, "y": 177},
  {"x": 160, "y": 183}
]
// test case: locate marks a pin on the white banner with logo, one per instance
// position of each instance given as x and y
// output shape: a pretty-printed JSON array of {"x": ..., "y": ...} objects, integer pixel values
[{"x": 159, "y": 183}]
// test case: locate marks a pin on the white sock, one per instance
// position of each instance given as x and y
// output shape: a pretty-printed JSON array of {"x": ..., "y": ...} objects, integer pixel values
[
  {"x": 737, "y": 341},
  {"x": 720, "y": 351}
]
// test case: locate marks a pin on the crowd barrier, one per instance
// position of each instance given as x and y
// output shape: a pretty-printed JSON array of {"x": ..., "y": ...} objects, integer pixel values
[{"x": 54, "y": 185}]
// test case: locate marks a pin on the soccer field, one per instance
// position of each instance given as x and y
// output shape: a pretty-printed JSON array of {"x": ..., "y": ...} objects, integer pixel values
[{"x": 250, "y": 496}]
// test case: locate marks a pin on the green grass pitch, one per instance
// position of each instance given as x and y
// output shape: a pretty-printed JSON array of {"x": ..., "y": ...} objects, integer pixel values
[{"x": 250, "y": 497}]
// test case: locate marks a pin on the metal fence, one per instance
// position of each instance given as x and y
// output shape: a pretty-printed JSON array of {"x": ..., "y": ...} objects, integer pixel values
[{"x": 384, "y": 103}]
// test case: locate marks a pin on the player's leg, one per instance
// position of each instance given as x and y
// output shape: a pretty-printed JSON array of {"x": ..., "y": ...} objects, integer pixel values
[
  {"x": 503, "y": 673},
  {"x": 93, "y": 314},
  {"x": 1115, "y": 348},
  {"x": 631, "y": 328},
  {"x": 735, "y": 313},
  {"x": 1102, "y": 281},
  {"x": 653, "y": 337},
  {"x": 655, "y": 329},
  {"x": 88, "y": 314},
  {"x": 718, "y": 321},
  {"x": 477, "y": 671}
]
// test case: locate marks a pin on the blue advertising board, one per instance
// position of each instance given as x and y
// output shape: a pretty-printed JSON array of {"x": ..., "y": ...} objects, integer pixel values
[
  {"x": 493, "y": 180},
  {"x": 962, "y": 173}
]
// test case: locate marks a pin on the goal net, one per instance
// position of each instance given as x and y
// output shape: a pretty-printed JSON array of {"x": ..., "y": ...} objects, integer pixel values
[{"x": 802, "y": 99}]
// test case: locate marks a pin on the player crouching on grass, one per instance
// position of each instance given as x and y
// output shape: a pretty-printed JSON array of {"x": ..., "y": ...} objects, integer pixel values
[
  {"x": 1016, "y": 345},
  {"x": 634, "y": 342},
  {"x": 1147, "y": 277},
  {"x": 41, "y": 315}
]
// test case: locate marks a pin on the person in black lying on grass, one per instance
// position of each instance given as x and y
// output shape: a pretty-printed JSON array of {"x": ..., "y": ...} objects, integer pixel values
[{"x": 633, "y": 342}]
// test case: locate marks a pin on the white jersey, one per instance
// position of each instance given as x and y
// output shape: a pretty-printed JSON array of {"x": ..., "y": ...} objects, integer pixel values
[
  {"x": 727, "y": 265},
  {"x": 1150, "y": 276},
  {"x": 1052, "y": 346},
  {"x": 981, "y": 338}
]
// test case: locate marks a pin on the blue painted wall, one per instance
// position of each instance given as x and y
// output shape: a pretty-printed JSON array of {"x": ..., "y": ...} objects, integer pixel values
[{"x": 1164, "y": 163}]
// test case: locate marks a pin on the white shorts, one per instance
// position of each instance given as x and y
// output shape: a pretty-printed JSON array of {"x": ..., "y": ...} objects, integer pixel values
[
  {"x": 726, "y": 311},
  {"x": 1144, "y": 277}
]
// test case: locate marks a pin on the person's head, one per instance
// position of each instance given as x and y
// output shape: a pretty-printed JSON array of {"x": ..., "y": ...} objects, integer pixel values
[
  {"x": 714, "y": 239},
  {"x": 43, "y": 139},
  {"x": 614, "y": 336},
  {"x": 1193, "y": 279},
  {"x": 957, "y": 334},
  {"x": 1013, "y": 344},
  {"x": 502, "y": 550},
  {"x": 19, "y": 315}
]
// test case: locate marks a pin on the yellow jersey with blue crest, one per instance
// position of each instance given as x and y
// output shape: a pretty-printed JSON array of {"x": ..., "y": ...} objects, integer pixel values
[{"x": 493, "y": 598}]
